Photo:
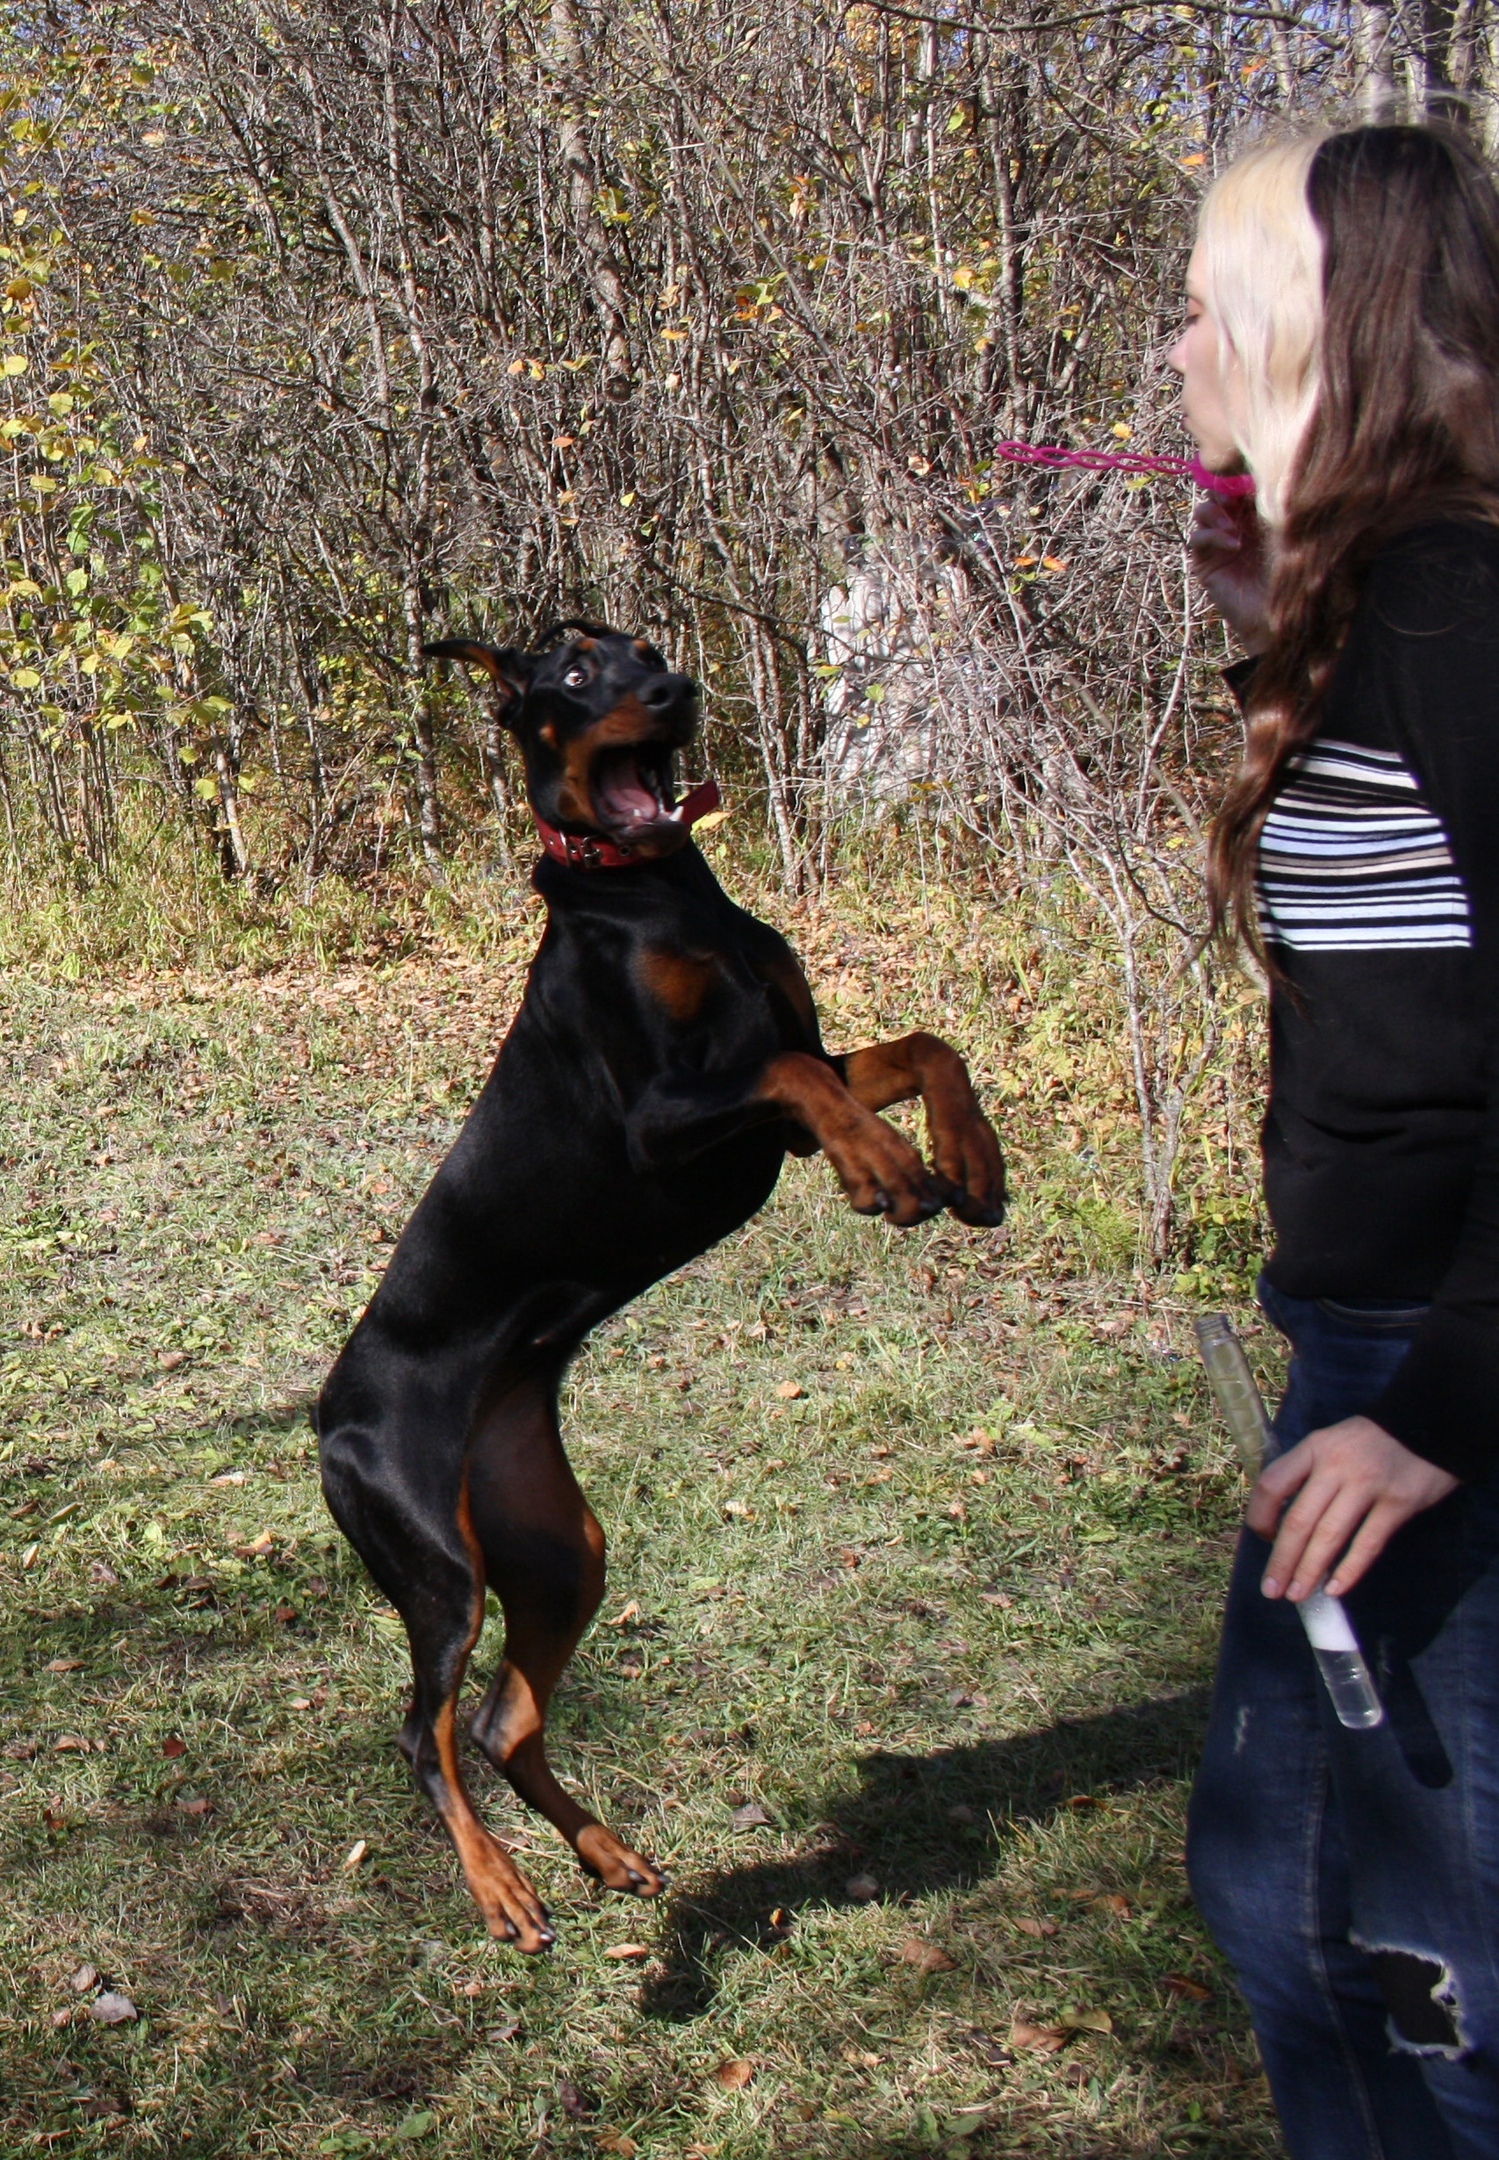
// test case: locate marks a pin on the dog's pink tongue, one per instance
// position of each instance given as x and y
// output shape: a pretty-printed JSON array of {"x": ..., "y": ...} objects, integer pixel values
[{"x": 623, "y": 794}]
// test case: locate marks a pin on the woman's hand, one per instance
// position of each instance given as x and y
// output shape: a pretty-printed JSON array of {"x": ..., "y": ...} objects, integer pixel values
[
  {"x": 1227, "y": 547},
  {"x": 1355, "y": 1485}
]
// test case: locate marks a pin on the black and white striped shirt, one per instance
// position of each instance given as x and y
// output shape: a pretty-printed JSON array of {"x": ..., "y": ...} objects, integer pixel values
[{"x": 1352, "y": 859}]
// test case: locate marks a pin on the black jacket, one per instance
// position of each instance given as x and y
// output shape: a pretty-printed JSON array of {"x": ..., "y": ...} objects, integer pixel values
[{"x": 1379, "y": 888}]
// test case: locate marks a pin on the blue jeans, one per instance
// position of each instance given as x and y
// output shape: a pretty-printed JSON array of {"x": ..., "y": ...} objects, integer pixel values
[{"x": 1352, "y": 1878}]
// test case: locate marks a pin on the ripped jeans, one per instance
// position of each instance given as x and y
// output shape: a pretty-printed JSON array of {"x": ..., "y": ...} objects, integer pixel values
[{"x": 1352, "y": 1878}]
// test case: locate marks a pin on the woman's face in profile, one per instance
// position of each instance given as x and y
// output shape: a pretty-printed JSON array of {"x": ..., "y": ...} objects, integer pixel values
[{"x": 1199, "y": 358}]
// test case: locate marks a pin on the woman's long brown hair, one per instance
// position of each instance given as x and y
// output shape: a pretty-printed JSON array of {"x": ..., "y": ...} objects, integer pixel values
[{"x": 1405, "y": 430}]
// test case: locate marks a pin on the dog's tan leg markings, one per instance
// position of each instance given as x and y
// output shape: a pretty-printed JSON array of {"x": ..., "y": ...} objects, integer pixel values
[
  {"x": 510, "y": 1906},
  {"x": 964, "y": 1148},
  {"x": 879, "y": 1170},
  {"x": 545, "y": 1554}
]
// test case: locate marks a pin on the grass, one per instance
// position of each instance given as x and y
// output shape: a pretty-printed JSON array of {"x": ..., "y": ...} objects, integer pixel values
[{"x": 916, "y": 1550}]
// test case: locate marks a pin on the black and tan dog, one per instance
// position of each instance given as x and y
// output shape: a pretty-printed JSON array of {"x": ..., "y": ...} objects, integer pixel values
[{"x": 665, "y": 1058}]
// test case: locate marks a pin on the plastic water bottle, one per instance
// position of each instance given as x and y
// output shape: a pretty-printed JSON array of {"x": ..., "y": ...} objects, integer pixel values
[{"x": 1328, "y": 1629}]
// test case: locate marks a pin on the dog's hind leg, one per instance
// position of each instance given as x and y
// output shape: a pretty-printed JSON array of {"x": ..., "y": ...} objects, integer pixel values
[
  {"x": 544, "y": 1552},
  {"x": 427, "y": 1560}
]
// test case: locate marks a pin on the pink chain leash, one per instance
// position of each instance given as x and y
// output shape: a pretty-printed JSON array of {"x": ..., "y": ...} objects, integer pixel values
[{"x": 1054, "y": 457}]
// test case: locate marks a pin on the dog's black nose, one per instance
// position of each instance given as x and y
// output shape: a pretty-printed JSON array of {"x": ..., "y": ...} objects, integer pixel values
[{"x": 664, "y": 691}]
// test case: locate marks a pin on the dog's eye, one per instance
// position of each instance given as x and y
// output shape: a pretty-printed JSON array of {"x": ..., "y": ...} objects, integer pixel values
[{"x": 575, "y": 678}]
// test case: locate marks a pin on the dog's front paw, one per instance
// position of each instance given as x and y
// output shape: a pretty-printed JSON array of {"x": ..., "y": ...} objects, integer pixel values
[
  {"x": 981, "y": 1178},
  {"x": 883, "y": 1175},
  {"x": 969, "y": 1157}
]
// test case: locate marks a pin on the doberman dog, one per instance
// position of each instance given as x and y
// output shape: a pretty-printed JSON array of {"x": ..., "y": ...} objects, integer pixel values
[{"x": 664, "y": 1060}]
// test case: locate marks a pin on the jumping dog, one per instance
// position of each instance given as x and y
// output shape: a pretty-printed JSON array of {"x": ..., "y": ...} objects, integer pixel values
[{"x": 665, "y": 1058}]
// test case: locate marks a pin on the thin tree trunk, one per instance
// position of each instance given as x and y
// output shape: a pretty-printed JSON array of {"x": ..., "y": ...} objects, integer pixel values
[
  {"x": 609, "y": 294},
  {"x": 419, "y": 714},
  {"x": 1377, "y": 95}
]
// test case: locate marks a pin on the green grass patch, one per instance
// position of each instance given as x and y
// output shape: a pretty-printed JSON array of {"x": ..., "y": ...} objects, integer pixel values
[{"x": 900, "y": 1674}]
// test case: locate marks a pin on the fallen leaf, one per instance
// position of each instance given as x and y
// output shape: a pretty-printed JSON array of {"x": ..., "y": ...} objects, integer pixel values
[
  {"x": 64, "y": 1664},
  {"x": 172, "y": 1359},
  {"x": 577, "y": 2105},
  {"x": 1189, "y": 1990},
  {"x": 112, "y": 2009},
  {"x": 62, "y": 2017},
  {"x": 258, "y": 1547},
  {"x": 28, "y": 1558},
  {"x": 85, "y": 1980},
  {"x": 861, "y": 1888},
  {"x": 300, "y": 1702},
  {"x": 505, "y": 2031},
  {"x": 1112, "y": 1902},
  {"x": 100, "y": 1571},
  {"x": 789, "y": 1390},
  {"x": 1040, "y": 1929},
  {"x": 628, "y": 1950},
  {"x": 354, "y": 1855},
  {"x": 631, "y": 1612},
  {"x": 172, "y": 1747},
  {"x": 615, "y": 2141},
  {"x": 749, "y": 1817},
  {"x": 1042, "y": 2039},
  {"x": 1080, "y": 2020},
  {"x": 196, "y": 1807},
  {"x": 71, "y": 1744},
  {"x": 925, "y": 1956},
  {"x": 734, "y": 2074},
  {"x": 285, "y": 1614},
  {"x": 414, "y": 2126},
  {"x": 228, "y": 1477}
]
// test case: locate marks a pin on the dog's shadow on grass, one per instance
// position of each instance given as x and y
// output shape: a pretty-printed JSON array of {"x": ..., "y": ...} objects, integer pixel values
[{"x": 916, "y": 1824}]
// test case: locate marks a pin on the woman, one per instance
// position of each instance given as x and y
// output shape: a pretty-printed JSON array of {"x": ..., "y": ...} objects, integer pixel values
[{"x": 1342, "y": 342}]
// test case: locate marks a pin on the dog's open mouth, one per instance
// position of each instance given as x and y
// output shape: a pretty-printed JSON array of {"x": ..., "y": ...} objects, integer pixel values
[{"x": 633, "y": 794}]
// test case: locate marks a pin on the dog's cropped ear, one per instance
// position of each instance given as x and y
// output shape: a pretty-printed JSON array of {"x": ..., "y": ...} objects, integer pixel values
[{"x": 507, "y": 667}]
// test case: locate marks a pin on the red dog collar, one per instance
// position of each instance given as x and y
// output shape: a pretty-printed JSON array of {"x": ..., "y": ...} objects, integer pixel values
[{"x": 586, "y": 851}]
